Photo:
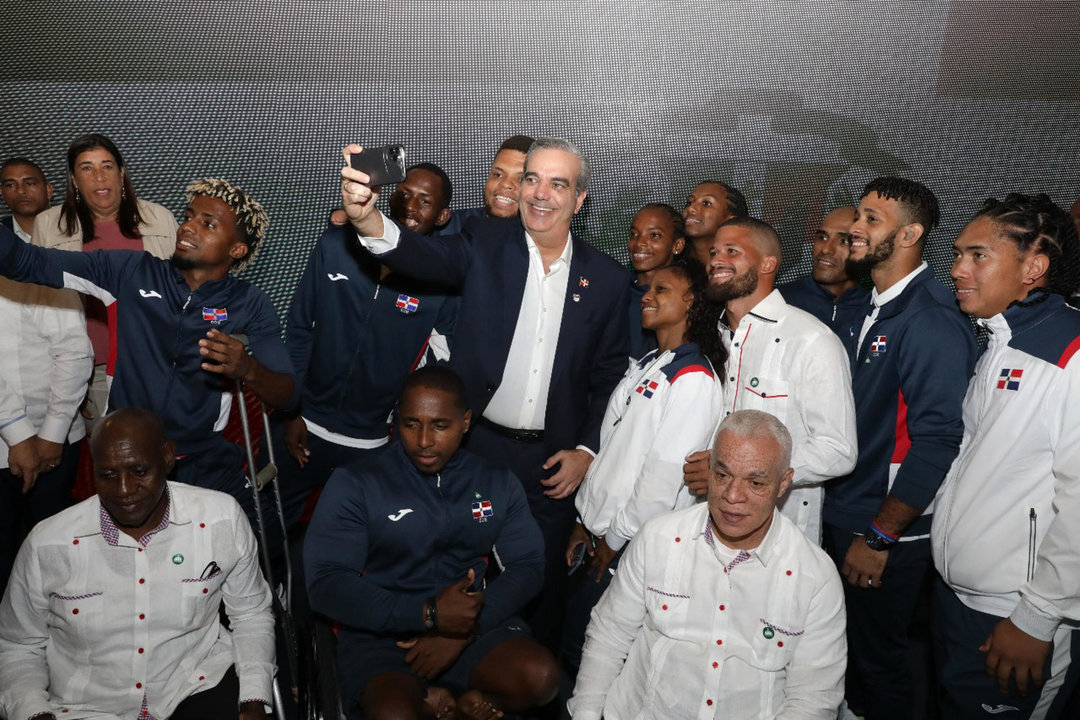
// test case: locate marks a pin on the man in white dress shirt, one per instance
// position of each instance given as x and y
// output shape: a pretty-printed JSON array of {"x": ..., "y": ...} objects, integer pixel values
[
  {"x": 112, "y": 610},
  {"x": 781, "y": 360},
  {"x": 723, "y": 609}
]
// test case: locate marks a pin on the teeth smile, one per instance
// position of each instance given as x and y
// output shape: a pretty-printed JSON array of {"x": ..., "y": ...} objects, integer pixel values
[{"x": 186, "y": 244}]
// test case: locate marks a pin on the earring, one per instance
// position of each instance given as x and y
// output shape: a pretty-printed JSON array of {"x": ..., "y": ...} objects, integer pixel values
[
  {"x": 123, "y": 193},
  {"x": 78, "y": 197}
]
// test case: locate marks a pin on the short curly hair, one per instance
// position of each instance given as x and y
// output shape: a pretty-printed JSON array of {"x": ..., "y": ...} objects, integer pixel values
[{"x": 251, "y": 219}]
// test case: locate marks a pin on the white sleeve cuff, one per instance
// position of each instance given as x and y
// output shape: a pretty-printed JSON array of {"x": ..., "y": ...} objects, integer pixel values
[
  {"x": 1034, "y": 622},
  {"x": 16, "y": 430},
  {"x": 390, "y": 239},
  {"x": 587, "y": 449}
]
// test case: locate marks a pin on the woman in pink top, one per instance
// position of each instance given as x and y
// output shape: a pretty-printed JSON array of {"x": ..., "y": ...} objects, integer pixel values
[{"x": 101, "y": 212}]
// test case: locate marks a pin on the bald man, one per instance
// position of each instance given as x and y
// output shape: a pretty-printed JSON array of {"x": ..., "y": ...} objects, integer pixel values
[
  {"x": 830, "y": 293},
  {"x": 134, "y": 578},
  {"x": 783, "y": 361}
]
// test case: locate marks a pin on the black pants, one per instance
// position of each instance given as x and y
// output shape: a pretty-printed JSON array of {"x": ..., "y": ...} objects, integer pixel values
[
  {"x": 19, "y": 513},
  {"x": 967, "y": 691},
  {"x": 218, "y": 703},
  {"x": 878, "y": 622},
  {"x": 555, "y": 518}
]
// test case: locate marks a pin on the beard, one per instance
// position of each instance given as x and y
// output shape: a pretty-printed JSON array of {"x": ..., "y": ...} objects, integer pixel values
[
  {"x": 884, "y": 251},
  {"x": 182, "y": 263},
  {"x": 737, "y": 287}
]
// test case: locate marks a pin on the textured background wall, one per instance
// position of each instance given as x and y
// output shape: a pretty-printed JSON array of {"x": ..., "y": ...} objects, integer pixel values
[{"x": 796, "y": 103}]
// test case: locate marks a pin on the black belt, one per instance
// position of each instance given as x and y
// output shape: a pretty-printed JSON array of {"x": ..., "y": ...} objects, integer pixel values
[{"x": 523, "y": 436}]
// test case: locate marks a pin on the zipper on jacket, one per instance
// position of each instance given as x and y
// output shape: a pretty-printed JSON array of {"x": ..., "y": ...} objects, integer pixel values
[
  {"x": 179, "y": 336},
  {"x": 1032, "y": 520}
]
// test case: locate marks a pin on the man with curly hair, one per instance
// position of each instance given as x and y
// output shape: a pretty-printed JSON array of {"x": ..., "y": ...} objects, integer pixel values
[{"x": 174, "y": 352}]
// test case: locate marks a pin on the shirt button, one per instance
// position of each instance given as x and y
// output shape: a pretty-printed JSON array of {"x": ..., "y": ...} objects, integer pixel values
[
  {"x": 142, "y": 616},
  {"x": 721, "y": 608},
  {"x": 805, "y": 503},
  {"x": 142, "y": 581},
  {"x": 139, "y": 549},
  {"x": 732, "y": 379},
  {"x": 202, "y": 525},
  {"x": 735, "y": 344},
  {"x": 201, "y": 678},
  {"x": 75, "y": 541},
  {"x": 779, "y": 643},
  {"x": 663, "y": 607},
  {"x": 138, "y": 685},
  {"x": 719, "y": 642},
  {"x": 141, "y": 651},
  {"x": 206, "y": 590},
  {"x": 709, "y": 703},
  {"x": 716, "y": 664},
  {"x": 75, "y": 611}
]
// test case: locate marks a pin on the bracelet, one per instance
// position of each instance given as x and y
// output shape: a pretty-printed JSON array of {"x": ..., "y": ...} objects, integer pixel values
[
  {"x": 432, "y": 614},
  {"x": 887, "y": 537}
]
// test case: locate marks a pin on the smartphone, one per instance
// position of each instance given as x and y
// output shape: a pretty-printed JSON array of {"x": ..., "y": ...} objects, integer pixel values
[
  {"x": 576, "y": 559},
  {"x": 384, "y": 165}
]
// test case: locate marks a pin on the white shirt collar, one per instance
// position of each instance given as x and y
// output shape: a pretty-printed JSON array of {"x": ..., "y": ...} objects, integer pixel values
[
  {"x": 564, "y": 258},
  {"x": 880, "y": 299}
]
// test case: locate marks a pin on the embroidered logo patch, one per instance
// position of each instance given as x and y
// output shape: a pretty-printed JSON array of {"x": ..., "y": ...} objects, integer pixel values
[
  {"x": 407, "y": 303},
  {"x": 1009, "y": 379},
  {"x": 481, "y": 510},
  {"x": 877, "y": 345},
  {"x": 647, "y": 388},
  {"x": 216, "y": 316}
]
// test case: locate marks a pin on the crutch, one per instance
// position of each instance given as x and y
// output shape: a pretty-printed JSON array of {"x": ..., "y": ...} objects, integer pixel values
[{"x": 259, "y": 479}]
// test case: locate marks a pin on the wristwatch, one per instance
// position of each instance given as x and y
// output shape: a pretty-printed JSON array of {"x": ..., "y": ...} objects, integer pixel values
[
  {"x": 876, "y": 542},
  {"x": 431, "y": 615}
]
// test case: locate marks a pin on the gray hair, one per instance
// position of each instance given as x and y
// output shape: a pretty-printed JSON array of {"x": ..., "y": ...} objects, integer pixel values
[
  {"x": 755, "y": 423},
  {"x": 554, "y": 143}
]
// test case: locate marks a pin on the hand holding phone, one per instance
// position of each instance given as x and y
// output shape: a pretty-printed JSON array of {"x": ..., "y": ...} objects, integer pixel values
[{"x": 383, "y": 165}]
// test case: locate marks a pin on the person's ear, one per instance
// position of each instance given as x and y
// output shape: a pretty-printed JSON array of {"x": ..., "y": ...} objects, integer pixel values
[
  {"x": 580, "y": 201},
  {"x": 468, "y": 419},
  {"x": 769, "y": 265},
  {"x": 169, "y": 456},
  {"x": 912, "y": 234},
  {"x": 1036, "y": 266},
  {"x": 785, "y": 482},
  {"x": 239, "y": 250},
  {"x": 48, "y": 192},
  {"x": 678, "y": 246},
  {"x": 443, "y": 217}
]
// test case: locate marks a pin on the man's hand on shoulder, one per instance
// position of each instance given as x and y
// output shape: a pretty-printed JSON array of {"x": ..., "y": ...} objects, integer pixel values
[
  {"x": 696, "y": 473},
  {"x": 1010, "y": 650},
  {"x": 573, "y": 464}
]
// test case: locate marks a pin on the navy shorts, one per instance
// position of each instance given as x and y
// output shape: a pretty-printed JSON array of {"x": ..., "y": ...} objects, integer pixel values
[{"x": 363, "y": 656}]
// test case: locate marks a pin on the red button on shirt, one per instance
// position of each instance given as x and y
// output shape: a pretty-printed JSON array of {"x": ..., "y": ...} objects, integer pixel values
[
  {"x": 138, "y": 685},
  {"x": 719, "y": 642},
  {"x": 141, "y": 616},
  {"x": 716, "y": 664},
  {"x": 74, "y": 542},
  {"x": 142, "y": 580},
  {"x": 708, "y": 702},
  {"x": 141, "y": 651},
  {"x": 75, "y": 611}
]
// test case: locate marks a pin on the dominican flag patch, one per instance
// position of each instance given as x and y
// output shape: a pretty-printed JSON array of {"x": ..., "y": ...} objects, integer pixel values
[
  {"x": 216, "y": 316},
  {"x": 481, "y": 510},
  {"x": 1009, "y": 379},
  {"x": 877, "y": 345},
  {"x": 647, "y": 388},
  {"x": 407, "y": 303}
]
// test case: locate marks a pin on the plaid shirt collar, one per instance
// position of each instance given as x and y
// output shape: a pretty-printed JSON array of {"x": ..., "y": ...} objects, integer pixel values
[{"x": 111, "y": 533}]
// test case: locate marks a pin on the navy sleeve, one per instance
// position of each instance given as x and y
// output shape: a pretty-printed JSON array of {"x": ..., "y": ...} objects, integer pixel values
[
  {"x": 264, "y": 334},
  {"x": 439, "y": 259},
  {"x": 300, "y": 322},
  {"x": 937, "y": 355},
  {"x": 100, "y": 273},
  {"x": 609, "y": 365},
  {"x": 335, "y": 555},
  {"x": 519, "y": 550}
]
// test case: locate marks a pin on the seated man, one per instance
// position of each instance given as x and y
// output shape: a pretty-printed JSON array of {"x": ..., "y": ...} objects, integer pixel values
[
  {"x": 175, "y": 355},
  {"x": 113, "y": 605},
  {"x": 396, "y": 552},
  {"x": 723, "y": 609},
  {"x": 355, "y": 331}
]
